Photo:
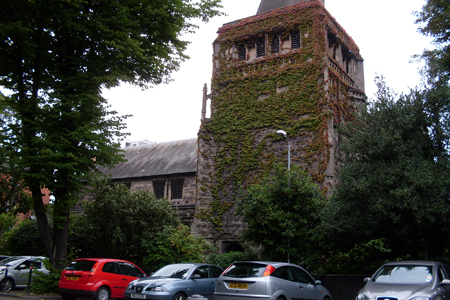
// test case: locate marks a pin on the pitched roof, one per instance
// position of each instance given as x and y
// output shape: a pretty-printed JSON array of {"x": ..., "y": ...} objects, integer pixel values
[
  {"x": 156, "y": 160},
  {"x": 268, "y": 5}
]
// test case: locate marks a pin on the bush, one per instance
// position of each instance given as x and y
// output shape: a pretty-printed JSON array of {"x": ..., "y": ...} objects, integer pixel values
[
  {"x": 175, "y": 245},
  {"x": 226, "y": 259},
  {"x": 46, "y": 283},
  {"x": 25, "y": 239}
]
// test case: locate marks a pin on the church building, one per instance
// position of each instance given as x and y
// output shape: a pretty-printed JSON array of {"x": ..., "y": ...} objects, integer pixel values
[{"x": 291, "y": 68}]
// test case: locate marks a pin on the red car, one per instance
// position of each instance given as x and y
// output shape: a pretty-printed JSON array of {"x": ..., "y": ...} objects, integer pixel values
[{"x": 98, "y": 278}]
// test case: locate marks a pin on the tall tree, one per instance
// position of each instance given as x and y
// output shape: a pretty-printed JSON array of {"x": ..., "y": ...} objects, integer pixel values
[
  {"x": 392, "y": 187},
  {"x": 435, "y": 21},
  {"x": 56, "y": 56},
  {"x": 280, "y": 214}
]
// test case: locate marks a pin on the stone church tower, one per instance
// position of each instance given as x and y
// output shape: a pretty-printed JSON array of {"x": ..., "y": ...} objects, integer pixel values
[{"x": 291, "y": 67}]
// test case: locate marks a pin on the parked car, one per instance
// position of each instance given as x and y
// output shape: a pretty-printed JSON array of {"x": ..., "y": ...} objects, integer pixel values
[
  {"x": 98, "y": 278},
  {"x": 407, "y": 280},
  {"x": 269, "y": 281},
  {"x": 15, "y": 271},
  {"x": 176, "y": 282}
]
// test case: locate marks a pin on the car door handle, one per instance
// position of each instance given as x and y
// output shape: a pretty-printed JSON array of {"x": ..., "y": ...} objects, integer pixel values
[{"x": 124, "y": 279}]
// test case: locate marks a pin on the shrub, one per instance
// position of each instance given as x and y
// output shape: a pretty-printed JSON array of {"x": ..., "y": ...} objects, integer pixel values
[
  {"x": 226, "y": 259},
  {"x": 46, "y": 283}
]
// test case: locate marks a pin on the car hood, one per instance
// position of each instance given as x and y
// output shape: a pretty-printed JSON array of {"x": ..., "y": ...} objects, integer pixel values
[
  {"x": 156, "y": 281},
  {"x": 374, "y": 290}
]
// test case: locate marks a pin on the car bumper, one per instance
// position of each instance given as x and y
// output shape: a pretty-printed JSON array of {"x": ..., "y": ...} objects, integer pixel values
[
  {"x": 78, "y": 293},
  {"x": 232, "y": 296}
]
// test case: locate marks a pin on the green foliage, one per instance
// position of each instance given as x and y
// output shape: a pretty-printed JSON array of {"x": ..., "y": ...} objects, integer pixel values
[
  {"x": 392, "y": 186},
  {"x": 115, "y": 222},
  {"x": 435, "y": 21},
  {"x": 175, "y": 244},
  {"x": 25, "y": 239},
  {"x": 60, "y": 127},
  {"x": 226, "y": 259},
  {"x": 7, "y": 221},
  {"x": 281, "y": 214},
  {"x": 46, "y": 283}
]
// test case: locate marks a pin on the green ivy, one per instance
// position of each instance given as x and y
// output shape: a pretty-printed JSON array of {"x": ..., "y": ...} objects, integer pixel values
[{"x": 245, "y": 103}]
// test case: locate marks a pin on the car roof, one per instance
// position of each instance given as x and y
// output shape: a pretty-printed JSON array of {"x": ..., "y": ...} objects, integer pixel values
[
  {"x": 101, "y": 259},
  {"x": 413, "y": 262},
  {"x": 272, "y": 263}
]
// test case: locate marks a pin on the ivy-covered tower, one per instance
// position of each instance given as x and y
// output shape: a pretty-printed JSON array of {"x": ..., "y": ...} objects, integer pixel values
[{"x": 291, "y": 67}]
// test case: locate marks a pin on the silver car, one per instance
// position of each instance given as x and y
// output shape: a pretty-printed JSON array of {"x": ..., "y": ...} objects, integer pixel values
[
  {"x": 14, "y": 271},
  {"x": 257, "y": 280},
  {"x": 176, "y": 282},
  {"x": 408, "y": 280}
]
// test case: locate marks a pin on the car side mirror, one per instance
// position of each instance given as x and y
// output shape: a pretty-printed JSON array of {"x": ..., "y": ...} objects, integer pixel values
[
  {"x": 22, "y": 267},
  {"x": 196, "y": 276},
  {"x": 445, "y": 282},
  {"x": 366, "y": 280},
  {"x": 318, "y": 282}
]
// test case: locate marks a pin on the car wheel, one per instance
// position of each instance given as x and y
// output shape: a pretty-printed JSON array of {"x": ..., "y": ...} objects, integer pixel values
[
  {"x": 68, "y": 296},
  {"x": 179, "y": 296},
  {"x": 7, "y": 284},
  {"x": 102, "y": 293}
]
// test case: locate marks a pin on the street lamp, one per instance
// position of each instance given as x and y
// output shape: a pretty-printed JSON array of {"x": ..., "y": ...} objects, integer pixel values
[{"x": 283, "y": 134}]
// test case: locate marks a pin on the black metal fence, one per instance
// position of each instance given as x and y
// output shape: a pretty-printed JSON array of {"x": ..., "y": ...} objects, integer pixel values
[{"x": 342, "y": 287}]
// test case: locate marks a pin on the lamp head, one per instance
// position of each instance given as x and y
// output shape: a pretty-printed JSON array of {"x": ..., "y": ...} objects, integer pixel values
[{"x": 282, "y": 133}]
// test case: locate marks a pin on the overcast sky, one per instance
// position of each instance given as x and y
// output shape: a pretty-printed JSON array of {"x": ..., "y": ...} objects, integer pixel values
[{"x": 384, "y": 30}]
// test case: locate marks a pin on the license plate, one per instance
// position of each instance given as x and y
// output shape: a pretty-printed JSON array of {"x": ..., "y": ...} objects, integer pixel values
[
  {"x": 238, "y": 285},
  {"x": 72, "y": 277},
  {"x": 137, "y": 296}
]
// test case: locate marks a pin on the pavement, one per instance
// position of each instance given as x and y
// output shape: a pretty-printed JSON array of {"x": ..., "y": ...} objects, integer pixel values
[{"x": 21, "y": 294}]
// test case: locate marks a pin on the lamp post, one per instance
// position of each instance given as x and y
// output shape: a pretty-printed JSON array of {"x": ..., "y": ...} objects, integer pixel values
[{"x": 283, "y": 134}]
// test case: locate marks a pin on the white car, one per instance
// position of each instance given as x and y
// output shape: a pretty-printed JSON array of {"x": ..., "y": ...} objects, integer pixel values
[{"x": 15, "y": 271}]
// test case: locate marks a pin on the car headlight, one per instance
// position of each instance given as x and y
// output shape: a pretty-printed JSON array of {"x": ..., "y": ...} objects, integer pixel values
[
  {"x": 362, "y": 297},
  {"x": 131, "y": 285},
  {"x": 157, "y": 289}
]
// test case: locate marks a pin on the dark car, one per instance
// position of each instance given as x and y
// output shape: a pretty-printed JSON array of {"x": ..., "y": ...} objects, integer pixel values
[
  {"x": 98, "y": 278},
  {"x": 259, "y": 280},
  {"x": 408, "y": 280},
  {"x": 176, "y": 282}
]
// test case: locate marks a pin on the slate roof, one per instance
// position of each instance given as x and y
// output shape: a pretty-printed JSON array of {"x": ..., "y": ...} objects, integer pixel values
[
  {"x": 268, "y": 5},
  {"x": 157, "y": 160}
]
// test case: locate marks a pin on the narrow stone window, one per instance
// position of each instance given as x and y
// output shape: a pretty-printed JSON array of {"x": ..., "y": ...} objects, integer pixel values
[
  {"x": 275, "y": 45},
  {"x": 177, "y": 189},
  {"x": 158, "y": 189},
  {"x": 242, "y": 53},
  {"x": 295, "y": 39},
  {"x": 260, "y": 48}
]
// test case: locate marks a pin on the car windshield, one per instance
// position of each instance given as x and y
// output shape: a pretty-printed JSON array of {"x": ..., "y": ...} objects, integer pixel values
[
  {"x": 242, "y": 270},
  {"x": 174, "y": 271},
  {"x": 10, "y": 261},
  {"x": 404, "y": 274}
]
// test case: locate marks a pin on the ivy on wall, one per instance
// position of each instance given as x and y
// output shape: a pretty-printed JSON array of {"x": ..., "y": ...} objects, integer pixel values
[{"x": 252, "y": 99}]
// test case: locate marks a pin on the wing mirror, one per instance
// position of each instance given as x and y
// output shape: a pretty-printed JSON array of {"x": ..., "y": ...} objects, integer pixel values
[{"x": 196, "y": 276}]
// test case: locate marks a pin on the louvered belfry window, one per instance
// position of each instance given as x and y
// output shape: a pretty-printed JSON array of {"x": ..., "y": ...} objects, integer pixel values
[
  {"x": 242, "y": 53},
  {"x": 275, "y": 46},
  {"x": 260, "y": 47},
  {"x": 295, "y": 39}
]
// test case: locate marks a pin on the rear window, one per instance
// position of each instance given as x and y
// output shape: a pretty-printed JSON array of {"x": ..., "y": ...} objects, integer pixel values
[
  {"x": 81, "y": 265},
  {"x": 243, "y": 270}
]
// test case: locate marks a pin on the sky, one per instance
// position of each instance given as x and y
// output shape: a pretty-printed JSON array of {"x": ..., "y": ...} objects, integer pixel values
[{"x": 384, "y": 30}]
